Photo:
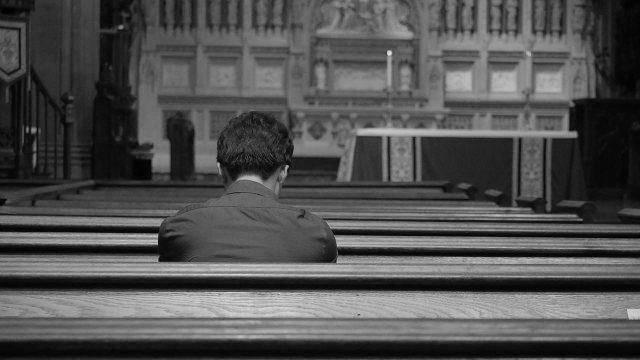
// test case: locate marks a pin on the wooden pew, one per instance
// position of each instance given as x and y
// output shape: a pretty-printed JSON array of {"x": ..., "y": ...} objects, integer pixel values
[
  {"x": 339, "y": 227},
  {"x": 347, "y": 214},
  {"x": 32, "y": 194},
  {"x": 295, "y": 193},
  {"x": 114, "y": 247},
  {"x": 311, "y": 205},
  {"x": 93, "y": 289},
  {"x": 66, "y": 208},
  {"x": 200, "y": 185},
  {"x": 317, "y": 338}
]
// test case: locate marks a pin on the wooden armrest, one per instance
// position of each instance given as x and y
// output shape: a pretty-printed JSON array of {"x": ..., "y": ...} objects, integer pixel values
[
  {"x": 537, "y": 204},
  {"x": 629, "y": 216},
  {"x": 496, "y": 196},
  {"x": 38, "y": 192},
  {"x": 468, "y": 189},
  {"x": 584, "y": 209}
]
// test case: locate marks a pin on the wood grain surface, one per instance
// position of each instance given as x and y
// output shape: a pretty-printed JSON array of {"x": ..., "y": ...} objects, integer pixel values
[
  {"x": 347, "y": 244},
  {"x": 313, "y": 338},
  {"x": 339, "y": 227},
  {"x": 347, "y": 214},
  {"x": 489, "y": 277},
  {"x": 317, "y": 304}
]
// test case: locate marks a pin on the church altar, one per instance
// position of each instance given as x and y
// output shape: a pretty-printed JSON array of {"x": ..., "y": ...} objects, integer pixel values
[
  {"x": 326, "y": 68},
  {"x": 542, "y": 164}
]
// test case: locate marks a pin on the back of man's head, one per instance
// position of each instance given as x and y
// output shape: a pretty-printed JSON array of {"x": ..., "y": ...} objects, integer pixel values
[{"x": 254, "y": 143}]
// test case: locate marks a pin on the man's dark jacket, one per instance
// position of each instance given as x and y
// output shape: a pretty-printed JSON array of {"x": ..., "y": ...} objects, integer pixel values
[{"x": 246, "y": 224}]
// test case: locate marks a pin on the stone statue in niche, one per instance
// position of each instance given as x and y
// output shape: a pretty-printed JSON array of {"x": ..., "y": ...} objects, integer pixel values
[
  {"x": 452, "y": 15},
  {"x": 214, "y": 13},
  {"x": 278, "y": 6},
  {"x": 187, "y": 14},
  {"x": 496, "y": 16},
  {"x": 297, "y": 12},
  {"x": 539, "y": 16},
  {"x": 435, "y": 13},
  {"x": 578, "y": 82},
  {"x": 341, "y": 131},
  {"x": 232, "y": 14},
  {"x": 388, "y": 17},
  {"x": 297, "y": 71},
  {"x": 149, "y": 10},
  {"x": 261, "y": 13},
  {"x": 169, "y": 13},
  {"x": 556, "y": 17},
  {"x": 435, "y": 76},
  {"x": 406, "y": 74},
  {"x": 467, "y": 15},
  {"x": 512, "y": 16},
  {"x": 579, "y": 16},
  {"x": 320, "y": 71}
]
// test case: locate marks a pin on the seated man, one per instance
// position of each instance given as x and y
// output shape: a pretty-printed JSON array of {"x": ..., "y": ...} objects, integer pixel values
[{"x": 247, "y": 223}]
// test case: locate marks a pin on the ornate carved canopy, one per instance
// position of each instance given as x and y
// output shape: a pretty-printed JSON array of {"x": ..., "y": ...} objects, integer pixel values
[{"x": 376, "y": 18}]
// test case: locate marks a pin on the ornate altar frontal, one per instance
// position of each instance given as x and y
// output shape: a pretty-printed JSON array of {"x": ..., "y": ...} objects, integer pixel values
[{"x": 321, "y": 67}]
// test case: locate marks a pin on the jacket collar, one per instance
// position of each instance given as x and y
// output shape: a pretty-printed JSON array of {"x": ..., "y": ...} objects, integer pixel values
[{"x": 251, "y": 187}]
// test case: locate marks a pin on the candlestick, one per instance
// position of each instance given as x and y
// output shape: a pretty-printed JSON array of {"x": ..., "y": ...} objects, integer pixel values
[{"x": 389, "y": 69}]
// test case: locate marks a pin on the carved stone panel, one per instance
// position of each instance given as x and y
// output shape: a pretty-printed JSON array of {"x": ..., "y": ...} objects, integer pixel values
[
  {"x": 459, "y": 77},
  {"x": 504, "y": 122},
  {"x": 503, "y": 78},
  {"x": 549, "y": 123},
  {"x": 269, "y": 74},
  {"x": 223, "y": 73},
  {"x": 176, "y": 73},
  {"x": 217, "y": 121},
  {"x": 348, "y": 17},
  {"x": 359, "y": 76},
  {"x": 548, "y": 78}
]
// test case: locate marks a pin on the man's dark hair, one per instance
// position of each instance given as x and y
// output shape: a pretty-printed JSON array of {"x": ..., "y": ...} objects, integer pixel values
[{"x": 254, "y": 143}]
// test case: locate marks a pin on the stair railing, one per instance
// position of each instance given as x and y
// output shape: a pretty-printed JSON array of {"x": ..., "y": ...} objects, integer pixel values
[{"x": 42, "y": 129}]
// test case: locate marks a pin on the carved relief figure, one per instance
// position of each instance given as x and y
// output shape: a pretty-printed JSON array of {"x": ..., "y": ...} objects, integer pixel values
[
  {"x": 214, "y": 13},
  {"x": 364, "y": 16},
  {"x": 435, "y": 76},
  {"x": 341, "y": 131},
  {"x": 435, "y": 12},
  {"x": 467, "y": 15},
  {"x": 149, "y": 10},
  {"x": 232, "y": 14},
  {"x": 556, "y": 16},
  {"x": 578, "y": 82},
  {"x": 539, "y": 16},
  {"x": 496, "y": 16},
  {"x": 186, "y": 14},
  {"x": 261, "y": 13},
  {"x": 512, "y": 16},
  {"x": 278, "y": 6},
  {"x": 451, "y": 14},
  {"x": 579, "y": 16},
  {"x": 169, "y": 13},
  {"x": 320, "y": 71},
  {"x": 406, "y": 73}
]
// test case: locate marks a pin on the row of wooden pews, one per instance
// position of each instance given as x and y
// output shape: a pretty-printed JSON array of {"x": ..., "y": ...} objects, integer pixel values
[{"x": 416, "y": 277}]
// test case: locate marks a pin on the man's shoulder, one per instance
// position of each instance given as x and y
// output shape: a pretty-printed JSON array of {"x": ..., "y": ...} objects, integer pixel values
[{"x": 190, "y": 208}]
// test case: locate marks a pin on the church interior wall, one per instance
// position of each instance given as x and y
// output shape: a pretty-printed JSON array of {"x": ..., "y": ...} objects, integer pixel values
[{"x": 461, "y": 64}]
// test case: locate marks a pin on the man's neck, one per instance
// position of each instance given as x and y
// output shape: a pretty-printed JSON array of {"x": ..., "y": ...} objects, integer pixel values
[{"x": 269, "y": 183}]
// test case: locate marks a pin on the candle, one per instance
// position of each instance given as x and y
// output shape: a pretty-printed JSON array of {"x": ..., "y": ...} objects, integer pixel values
[{"x": 389, "y": 68}]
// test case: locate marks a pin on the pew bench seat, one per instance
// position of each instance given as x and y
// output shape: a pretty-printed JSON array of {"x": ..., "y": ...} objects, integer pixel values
[{"x": 317, "y": 338}]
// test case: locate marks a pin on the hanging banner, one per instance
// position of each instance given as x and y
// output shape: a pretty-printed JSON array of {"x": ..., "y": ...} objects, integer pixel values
[{"x": 13, "y": 49}]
